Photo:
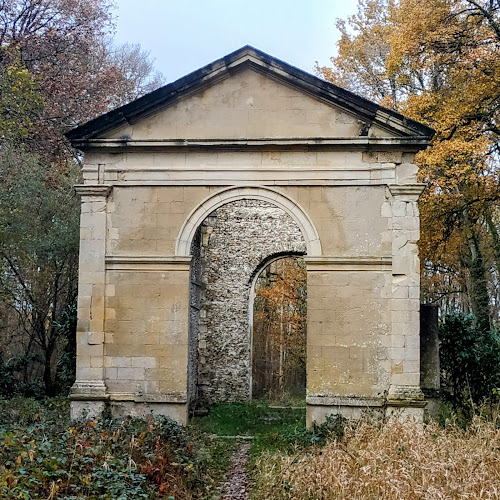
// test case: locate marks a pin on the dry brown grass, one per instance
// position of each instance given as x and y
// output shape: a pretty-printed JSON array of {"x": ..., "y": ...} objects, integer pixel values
[{"x": 397, "y": 460}]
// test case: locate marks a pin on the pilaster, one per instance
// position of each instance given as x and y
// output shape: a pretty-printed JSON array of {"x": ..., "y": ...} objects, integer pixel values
[
  {"x": 404, "y": 391},
  {"x": 89, "y": 390}
]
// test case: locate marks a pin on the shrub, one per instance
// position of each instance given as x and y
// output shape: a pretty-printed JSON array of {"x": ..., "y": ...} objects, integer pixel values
[
  {"x": 45, "y": 455},
  {"x": 470, "y": 362},
  {"x": 11, "y": 381}
]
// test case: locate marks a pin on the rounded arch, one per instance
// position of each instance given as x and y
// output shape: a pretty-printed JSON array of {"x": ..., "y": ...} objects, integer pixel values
[
  {"x": 269, "y": 260},
  {"x": 227, "y": 195}
]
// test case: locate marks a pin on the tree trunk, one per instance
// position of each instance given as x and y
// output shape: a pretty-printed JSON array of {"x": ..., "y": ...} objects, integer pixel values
[
  {"x": 480, "y": 299},
  {"x": 48, "y": 380},
  {"x": 496, "y": 240}
]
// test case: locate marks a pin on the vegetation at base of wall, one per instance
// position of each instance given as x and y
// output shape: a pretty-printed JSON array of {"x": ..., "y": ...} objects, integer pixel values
[
  {"x": 392, "y": 460},
  {"x": 268, "y": 428},
  {"x": 46, "y": 455},
  {"x": 43, "y": 454}
]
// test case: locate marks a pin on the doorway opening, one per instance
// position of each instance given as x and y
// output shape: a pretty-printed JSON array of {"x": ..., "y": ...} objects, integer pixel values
[
  {"x": 230, "y": 249},
  {"x": 279, "y": 329}
]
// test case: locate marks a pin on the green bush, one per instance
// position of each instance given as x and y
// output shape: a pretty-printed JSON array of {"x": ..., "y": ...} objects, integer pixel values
[
  {"x": 11, "y": 383},
  {"x": 66, "y": 364},
  {"x": 470, "y": 362}
]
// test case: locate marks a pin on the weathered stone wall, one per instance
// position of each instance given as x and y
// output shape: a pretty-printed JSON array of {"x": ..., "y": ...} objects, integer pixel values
[
  {"x": 195, "y": 295},
  {"x": 248, "y": 104},
  {"x": 233, "y": 242}
]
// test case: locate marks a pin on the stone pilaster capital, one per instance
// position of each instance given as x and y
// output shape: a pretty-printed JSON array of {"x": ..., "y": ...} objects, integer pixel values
[
  {"x": 411, "y": 192},
  {"x": 93, "y": 189}
]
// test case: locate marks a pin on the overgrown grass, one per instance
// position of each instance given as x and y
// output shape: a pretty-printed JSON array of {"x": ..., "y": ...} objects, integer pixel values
[
  {"x": 45, "y": 455},
  {"x": 395, "y": 460}
]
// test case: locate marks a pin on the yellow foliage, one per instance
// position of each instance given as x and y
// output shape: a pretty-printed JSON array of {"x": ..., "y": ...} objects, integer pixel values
[{"x": 438, "y": 62}]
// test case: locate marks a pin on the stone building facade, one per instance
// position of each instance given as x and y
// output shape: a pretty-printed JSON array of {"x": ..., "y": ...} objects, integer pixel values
[{"x": 306, "y": 168}]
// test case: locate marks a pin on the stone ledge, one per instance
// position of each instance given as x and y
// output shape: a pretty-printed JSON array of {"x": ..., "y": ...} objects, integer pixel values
[
  {"x": 88, "y": 390},
  {"x": 174, "y": 397},
  {"x": 410, "y": 190},
  {"x": 332, "y": 400},
  {"x": 408, "y": 143},
  {"x": 405, "y": 403},
  {"x": 147, "y": 263},
  {"x": 93, "y": 189},
  {"x": 405, "y": 396},
  {"x": 347, "y": 263}
]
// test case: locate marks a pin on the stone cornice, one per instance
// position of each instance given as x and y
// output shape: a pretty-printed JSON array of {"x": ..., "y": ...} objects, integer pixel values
[
  {"x": 414, "y": 143},
  {"x": 93, "y": 189},
  {"x": 410, "y": 190},
  {"x": 147, "y": 263},
  {"x": 348, "y": 263}
]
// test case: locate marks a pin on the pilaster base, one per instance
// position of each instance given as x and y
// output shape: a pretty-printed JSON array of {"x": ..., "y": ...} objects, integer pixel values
[
  {"x": 406, "y": 401},
  {"x": 87, "y": 399},
  {"x": 88, "y": 390},
  {"x": 408, "y": 404}
]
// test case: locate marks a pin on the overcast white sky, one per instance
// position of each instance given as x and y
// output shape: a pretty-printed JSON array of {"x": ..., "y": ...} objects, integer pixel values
[{"x": 184, "y": 35}]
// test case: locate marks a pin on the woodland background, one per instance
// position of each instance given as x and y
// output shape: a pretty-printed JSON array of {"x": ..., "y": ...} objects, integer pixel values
[
  {"x": 58, "y": 68},
  {"x": 436, "y": 61}
]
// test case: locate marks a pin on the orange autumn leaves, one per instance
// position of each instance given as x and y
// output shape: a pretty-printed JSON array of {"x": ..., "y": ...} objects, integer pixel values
[
  {"x": 280, "y": 330},
  {"x": 438, "y": 62}
]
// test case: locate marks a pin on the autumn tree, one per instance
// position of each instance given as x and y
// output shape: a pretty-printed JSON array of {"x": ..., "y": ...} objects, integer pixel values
[
  {"x": 439, "y": 62},
  {"x": 58, "y": 68},
  {"x": 137, "y": 70},
  {"x": 279, "y": 330},
  {"x": 20, "y": 101},
  {"x": 38, "y": 252},
  {"x": 67, "y": 45}
]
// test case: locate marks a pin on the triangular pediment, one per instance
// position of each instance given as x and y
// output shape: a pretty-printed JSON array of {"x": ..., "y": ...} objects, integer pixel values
[
  {"x": 248, "y": 95},
  {"x": 245, "y": 105}
]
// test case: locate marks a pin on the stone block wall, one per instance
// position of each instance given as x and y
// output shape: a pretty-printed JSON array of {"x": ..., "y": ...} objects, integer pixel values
[
  {"x": 266, "y": 159},
  {"x": 143, "y": 299}
]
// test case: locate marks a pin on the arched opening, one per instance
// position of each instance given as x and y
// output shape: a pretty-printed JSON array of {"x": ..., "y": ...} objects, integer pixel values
[
  {"x": 228, "y": 246},
  {"x": 279, "y": 309},
  {"x": 183, "y": 245}
]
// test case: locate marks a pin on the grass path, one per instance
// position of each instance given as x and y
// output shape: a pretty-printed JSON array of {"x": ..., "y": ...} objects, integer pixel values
[{"x": 254, "y": 429}]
